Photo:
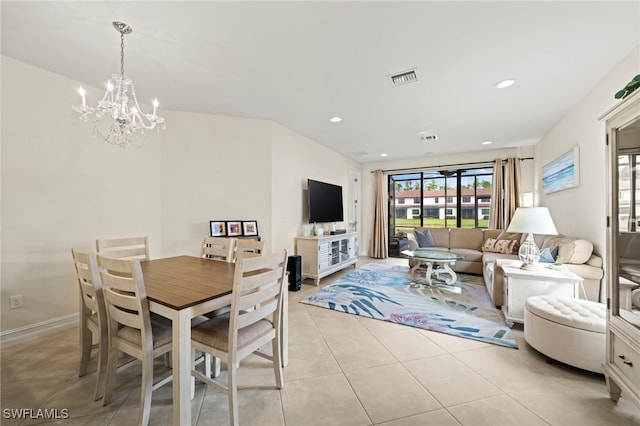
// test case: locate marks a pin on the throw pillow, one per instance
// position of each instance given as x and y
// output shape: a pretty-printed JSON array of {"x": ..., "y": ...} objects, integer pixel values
[
  {"x": 492, "y": 245},
  {"x": 548, "y": 255},
  {"x": 576, "y": 252},
  {"x": 425, "y": 239}
]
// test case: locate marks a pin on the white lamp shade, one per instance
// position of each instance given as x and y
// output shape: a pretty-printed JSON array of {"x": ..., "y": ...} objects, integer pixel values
[{"x": 532, "y": 220}]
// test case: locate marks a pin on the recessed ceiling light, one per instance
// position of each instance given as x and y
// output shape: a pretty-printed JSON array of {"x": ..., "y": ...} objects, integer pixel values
[
  {"x": 383, "y": 155},
  {"x": 487, "y": 143},
  {"x": 505, "y": 83},
  {"x": 335, "y": 119}
]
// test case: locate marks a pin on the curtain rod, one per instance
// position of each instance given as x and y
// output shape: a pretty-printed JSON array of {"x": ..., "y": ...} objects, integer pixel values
[{"x": 419, "y": 169}]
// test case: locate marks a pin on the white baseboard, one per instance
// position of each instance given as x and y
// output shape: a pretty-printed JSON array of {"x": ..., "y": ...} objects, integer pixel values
[{"x": 23, "y": 334}]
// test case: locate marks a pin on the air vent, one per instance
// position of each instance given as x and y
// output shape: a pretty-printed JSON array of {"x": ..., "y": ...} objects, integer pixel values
[
  {"x": 404, "y": 77},
  {"x": 360, "y": 153}
]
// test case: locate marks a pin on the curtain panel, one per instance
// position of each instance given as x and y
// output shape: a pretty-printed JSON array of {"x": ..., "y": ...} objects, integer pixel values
[
  {"x": 506, "y": 194},
  {"x": 379, "y": 244}
]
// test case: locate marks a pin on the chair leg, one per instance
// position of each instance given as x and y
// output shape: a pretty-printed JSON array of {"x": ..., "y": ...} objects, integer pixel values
[
  {"x": 207, "y": 366},
  {"x": 112, "y": 366},
  {"x": 277, "y": 361},
  {"x": 103, "y": 356},
  {"x": 146, "y": 389},
  {"x": 85, "y": 347},
  {"x": 233, "y": 392},
  {"x": 193, "y": 379}
]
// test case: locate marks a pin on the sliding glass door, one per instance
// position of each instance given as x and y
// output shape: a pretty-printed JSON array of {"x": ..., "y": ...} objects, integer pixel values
[{"x": 456, "y": 198}]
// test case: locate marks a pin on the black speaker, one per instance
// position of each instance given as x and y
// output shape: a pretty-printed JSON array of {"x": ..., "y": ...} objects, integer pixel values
[{"x": 294, "y": 267}]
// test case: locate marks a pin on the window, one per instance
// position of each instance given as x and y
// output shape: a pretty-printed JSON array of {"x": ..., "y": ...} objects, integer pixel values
[{"x": 457, "y": 198}]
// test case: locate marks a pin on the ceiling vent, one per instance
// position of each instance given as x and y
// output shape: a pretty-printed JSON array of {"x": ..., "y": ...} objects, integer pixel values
[
  {"x": 360, "y": 153},
  {"x": 404, "y": 77}
]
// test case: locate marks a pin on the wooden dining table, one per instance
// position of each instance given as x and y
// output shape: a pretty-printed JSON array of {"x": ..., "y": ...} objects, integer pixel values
[{"x": 181, "y": 288}]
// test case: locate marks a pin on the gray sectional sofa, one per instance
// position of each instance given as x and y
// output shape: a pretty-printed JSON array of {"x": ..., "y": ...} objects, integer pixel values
[{"x": 485, "y": 250}]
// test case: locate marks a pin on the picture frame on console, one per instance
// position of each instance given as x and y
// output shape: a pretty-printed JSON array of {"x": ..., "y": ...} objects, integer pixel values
[
  {"x": 218, "y": 228},
  {"x": 234, "y": 228},
  {"x": 249, "y": 228}
]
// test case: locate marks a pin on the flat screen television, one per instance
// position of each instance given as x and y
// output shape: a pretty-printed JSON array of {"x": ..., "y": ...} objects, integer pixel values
[{"x": 325, "y": 202}]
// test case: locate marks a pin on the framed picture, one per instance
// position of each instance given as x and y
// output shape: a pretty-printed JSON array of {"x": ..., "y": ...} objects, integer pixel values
[
  {"x": 218, "y": 228},
  {"x": 562, "y": 173},
  {"x": 234, "y": 229},
  {"x": 249, "y": 228}
]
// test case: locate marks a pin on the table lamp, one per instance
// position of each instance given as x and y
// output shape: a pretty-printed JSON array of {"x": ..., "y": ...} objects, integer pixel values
[{"x": 531, "y": 220}]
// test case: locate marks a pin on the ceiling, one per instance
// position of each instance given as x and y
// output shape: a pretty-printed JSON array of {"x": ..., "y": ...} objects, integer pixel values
[{"x": 301, "y": 63}]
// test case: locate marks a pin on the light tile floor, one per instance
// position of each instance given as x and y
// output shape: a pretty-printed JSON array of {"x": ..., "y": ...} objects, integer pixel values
[{"x": 343, "y": 370}]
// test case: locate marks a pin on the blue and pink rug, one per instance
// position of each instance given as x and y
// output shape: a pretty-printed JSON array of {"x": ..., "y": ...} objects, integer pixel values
[{"x": 386, "y": 292}]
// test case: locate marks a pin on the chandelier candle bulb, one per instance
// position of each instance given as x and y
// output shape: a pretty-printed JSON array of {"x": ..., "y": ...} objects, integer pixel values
[
  {"x": 82, "y": 93},
  {"x": 155, "y": 106}
]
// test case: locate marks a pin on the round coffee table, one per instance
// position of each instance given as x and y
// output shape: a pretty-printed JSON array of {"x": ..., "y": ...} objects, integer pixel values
[{"x": 434, "y": 262}]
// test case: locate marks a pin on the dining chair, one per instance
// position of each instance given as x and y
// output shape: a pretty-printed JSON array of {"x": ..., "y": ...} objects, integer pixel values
[
  {"x": 93, "y": 316},
  {"x": 127, "y": 248},
  {"x": 132, "y": 329},
  {"x": 218, "y": 248},
  {"x": 246, "y": 247},
  {"x": 254, "y": 321}
]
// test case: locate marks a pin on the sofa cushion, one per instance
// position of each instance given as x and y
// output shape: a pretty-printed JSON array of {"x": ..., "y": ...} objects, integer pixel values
[
  {"x": 491, "y": 233},
  {"x": 467, "y": 238},
  {"x": 576, "y": 251},
  {"x": 500, "y": 246},
  {"x": 424, "y": 238},
  {"x": 504, "y": 235},
  {"x": 470, "y": 255},
  {"x": 440, "y": 236}
]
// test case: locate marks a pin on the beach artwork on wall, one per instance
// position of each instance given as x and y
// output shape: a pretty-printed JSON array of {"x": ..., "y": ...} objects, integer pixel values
[{"x": 562, "y": 173}]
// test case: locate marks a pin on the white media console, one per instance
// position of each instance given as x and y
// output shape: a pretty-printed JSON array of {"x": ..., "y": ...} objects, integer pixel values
[{"x": 324, "y": 255}]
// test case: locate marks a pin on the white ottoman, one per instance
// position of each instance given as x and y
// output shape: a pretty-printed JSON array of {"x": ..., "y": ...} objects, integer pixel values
[{"x": 568, "y": 330}]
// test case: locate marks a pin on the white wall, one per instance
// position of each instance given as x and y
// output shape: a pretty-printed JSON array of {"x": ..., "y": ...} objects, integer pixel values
[
  {"x": 213, "y": 168},
  {"x": 368, "y": 185},
  {"x": 61, "y": 188},
  {"x": 581, "y": 211},
  {"x": 295, "y": 159}
]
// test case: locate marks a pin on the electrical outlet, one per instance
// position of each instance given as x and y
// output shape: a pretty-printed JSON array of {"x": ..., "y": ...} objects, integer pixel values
[{"x": 15, "y": 301}]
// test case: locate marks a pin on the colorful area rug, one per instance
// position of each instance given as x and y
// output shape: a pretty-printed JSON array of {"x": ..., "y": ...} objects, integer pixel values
[{"x": 386, "y": 292}]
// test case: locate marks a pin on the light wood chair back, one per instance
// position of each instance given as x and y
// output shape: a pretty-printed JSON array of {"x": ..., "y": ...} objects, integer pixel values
[
  {"x": 218, "y": 248},
  {"x": 131, "y": 329},
  {"x": 124, "y": 248},
  {"x": 248, "y": 248},
  {"x": 93, "y": 316},
  {"x": 254, "y": 320}
]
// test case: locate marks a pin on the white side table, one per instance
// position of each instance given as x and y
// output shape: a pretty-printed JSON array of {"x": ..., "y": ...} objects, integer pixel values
[{"x": 520, "y": 284}]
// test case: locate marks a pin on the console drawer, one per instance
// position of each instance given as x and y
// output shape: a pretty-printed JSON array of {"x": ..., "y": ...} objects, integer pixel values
[{"x": 626, "y": 359}]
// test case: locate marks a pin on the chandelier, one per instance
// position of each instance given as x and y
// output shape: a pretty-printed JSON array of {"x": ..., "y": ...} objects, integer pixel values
[{"x": 123, "y": 125}]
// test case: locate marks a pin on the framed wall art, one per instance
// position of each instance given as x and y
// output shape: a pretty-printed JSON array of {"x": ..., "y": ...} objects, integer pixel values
[
  {"x": 249, "y": 228},
  {"x": 218, "y": 228},
  {"x": 562, "y": 173},
  {"x": 234, "y": 228}
]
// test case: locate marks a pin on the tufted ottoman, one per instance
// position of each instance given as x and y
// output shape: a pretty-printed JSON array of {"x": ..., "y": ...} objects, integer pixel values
[{"x": 568, "y": 330}]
